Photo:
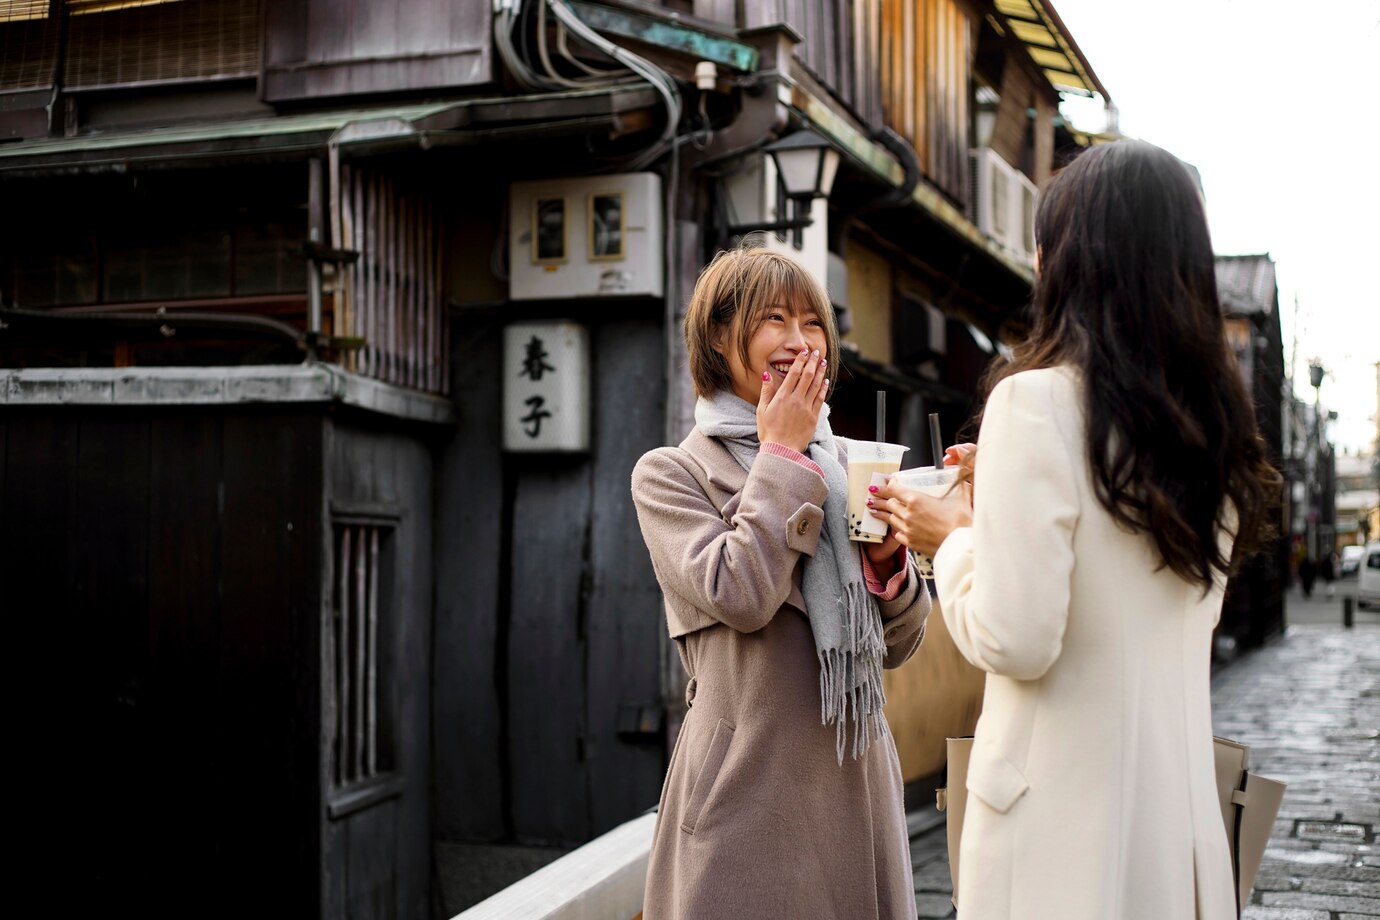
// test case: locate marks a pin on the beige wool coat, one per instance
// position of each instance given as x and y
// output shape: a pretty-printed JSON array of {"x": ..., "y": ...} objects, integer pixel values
[
  {"x": 757, "y": 817},
  {"x": 1091, "y": 786}
]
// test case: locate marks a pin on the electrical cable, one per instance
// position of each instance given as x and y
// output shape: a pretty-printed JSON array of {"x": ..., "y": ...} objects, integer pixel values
[
  {"x": 563, "y": 49},
  {"x": 706, "y": 127},
  {"x": 512, "y": 16},
  {"x": 545, "y": 59},
  {"x": 660, "y": 81},
  {"x": 498, "y": 255}
]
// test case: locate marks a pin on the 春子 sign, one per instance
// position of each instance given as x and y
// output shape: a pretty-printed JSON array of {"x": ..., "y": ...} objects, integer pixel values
[{"x": 546, "y": 387}]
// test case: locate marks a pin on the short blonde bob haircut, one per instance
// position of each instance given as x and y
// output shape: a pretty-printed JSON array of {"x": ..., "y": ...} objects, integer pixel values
[{"x": 731, "y": 301}]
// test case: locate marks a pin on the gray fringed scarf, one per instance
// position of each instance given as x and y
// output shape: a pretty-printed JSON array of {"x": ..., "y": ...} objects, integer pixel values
[{"x": 843, "y": 614}]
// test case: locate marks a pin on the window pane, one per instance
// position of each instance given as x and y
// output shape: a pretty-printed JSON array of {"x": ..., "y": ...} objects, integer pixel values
[
  {"x": 192, "y": 263},
  {"x": 268, "y": 256},
  {"x": 62, "y": 272}
]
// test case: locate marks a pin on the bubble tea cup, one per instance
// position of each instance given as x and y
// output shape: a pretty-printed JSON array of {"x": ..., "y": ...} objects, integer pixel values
[
  {"x": 936, "y": 481},
  {"x": 869, "y": 463}
]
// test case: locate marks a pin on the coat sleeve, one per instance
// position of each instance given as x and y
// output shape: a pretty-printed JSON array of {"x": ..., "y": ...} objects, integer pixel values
[
  {"x": 904, "y": 616},
  {"x": 738, "y": 571},
  {"x": 1004, "y": 582}
]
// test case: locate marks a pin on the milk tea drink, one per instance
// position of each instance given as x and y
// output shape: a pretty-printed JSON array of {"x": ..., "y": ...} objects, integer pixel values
[
  {"x": 866, "y": 460},
  {"x": 931, "y": 481}
]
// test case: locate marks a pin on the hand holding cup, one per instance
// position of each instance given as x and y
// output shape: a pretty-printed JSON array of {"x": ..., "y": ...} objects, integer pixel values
[{"x": 922, "y": 521}]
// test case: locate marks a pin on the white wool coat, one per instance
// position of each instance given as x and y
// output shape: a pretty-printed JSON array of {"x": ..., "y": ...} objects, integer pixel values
[{"x": 1091, "y": 785}]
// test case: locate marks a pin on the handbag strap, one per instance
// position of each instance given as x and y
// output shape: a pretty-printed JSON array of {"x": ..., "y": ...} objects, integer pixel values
[{"x": 1239, "y": 797}]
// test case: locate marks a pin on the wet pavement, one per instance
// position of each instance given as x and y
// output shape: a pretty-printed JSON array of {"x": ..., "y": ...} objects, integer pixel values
[{"x": 1308, "y": 704}]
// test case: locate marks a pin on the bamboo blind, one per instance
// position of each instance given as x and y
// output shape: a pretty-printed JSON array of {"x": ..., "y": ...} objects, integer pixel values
[
  {"x": 17, "y": 10},
  {"x": 28, "y": 45},
  {"x": 391, "y": 296},
  {"x": 112, "y": 44}
]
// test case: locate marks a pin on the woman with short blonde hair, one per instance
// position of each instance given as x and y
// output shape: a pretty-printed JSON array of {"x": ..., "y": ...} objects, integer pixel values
[{"x": 783, "y": 797}]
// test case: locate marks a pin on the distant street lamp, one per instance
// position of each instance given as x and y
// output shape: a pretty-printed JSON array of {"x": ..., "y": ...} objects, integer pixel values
[{"x": 1314, "y": 464}]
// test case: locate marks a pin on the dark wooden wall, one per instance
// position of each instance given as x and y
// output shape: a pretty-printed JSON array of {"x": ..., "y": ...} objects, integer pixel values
[
  {"x": 160, "y": 567},
  {"x": 1253, "y": 610},
  {"x": 548, "y": 614},
  {"x": 1022, "y": 141},
  {"x": 376, "y": 862},
  {"x": 323, "y": 48},
  {"x": 839, "y": 43}
]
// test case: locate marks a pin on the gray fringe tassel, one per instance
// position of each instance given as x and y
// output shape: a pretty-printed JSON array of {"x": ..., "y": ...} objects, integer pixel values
[{"x": 851, "y": 676}]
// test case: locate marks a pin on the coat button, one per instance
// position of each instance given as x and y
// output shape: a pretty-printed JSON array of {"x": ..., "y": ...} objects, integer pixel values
[{"x": 802, "y": 527}]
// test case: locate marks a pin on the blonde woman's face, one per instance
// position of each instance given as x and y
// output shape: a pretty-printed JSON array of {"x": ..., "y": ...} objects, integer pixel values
[{"x": 784, "y": 332}]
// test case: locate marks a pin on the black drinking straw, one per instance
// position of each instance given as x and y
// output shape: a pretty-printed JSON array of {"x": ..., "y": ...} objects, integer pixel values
[
  {"x": 936, "y": 445},
  {"x": 881, "y": 415}
]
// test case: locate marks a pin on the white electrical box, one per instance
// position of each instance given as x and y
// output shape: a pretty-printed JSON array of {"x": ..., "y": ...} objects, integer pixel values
[{"x": 587, "y": 236}]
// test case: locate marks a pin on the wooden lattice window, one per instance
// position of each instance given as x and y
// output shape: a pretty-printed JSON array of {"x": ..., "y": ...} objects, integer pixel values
[
  {"x": 359, "y": 683},
  {"x": 392, "y": 295},
  {"x": 138, "y": 242}
]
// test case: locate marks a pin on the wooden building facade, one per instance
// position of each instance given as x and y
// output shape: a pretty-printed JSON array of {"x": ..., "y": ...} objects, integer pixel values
[
  {"x": 319, "y": 619},
  {"x": 1253, "y": 610}
]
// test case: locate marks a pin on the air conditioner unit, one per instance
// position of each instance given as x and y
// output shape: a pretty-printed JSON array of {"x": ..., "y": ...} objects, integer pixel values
[
  {"x": 1002, "y": 202},
  {"x": 1027, "y": 198},
  {"x": 989, "y": 183},
  {"x": 586, "y": 236}
]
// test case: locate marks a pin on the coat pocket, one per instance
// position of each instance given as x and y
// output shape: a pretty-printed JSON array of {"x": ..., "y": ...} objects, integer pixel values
[
  {"x": 709, "y": 772},
  {"x": 995, "y": 780}
]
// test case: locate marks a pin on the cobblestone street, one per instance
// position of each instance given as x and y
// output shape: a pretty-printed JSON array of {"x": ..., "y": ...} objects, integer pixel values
[{"x": 1309, "y": 707}]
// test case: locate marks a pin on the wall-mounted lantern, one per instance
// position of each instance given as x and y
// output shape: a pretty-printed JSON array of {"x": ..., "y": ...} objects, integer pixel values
[
  {"x": 546, "y": 387},
  {"x": 806, "y": 164}
]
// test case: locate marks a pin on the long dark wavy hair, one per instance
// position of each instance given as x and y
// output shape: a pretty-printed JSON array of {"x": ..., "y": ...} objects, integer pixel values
[{"x": 1126, "y": 293}]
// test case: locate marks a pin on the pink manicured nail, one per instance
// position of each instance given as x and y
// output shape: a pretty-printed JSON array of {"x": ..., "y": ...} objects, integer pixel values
[
  {"x": 872, "y": 488},
  {"x": 766, "y": 375},
  {"x": 869, "y": 503},
  {"x": 823, "y": 361}
]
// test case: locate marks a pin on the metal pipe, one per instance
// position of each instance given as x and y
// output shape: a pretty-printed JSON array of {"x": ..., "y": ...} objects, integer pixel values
[
  {"x": 316, "y": 231},
  {"x": 231, "y": 322}
]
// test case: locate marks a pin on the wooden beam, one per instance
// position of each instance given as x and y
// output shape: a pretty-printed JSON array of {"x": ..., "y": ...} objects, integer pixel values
[{"x": 673, "y": 36}]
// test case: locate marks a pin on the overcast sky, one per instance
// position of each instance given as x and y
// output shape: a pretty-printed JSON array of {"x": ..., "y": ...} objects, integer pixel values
[{"x": 1278, "y": 105}]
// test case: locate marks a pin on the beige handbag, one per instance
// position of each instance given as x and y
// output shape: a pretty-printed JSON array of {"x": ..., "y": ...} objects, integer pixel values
[{"x": 1249, "y": 806}]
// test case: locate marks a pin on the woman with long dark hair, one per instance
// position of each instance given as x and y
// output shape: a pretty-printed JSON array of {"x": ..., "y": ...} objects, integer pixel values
[{"x": 1118, "y": 480}]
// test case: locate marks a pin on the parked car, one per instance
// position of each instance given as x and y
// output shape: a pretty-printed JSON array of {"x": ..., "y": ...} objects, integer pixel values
[
  {"x": 1351, "y": 560},
  {"x": 1368, "y": 586}
]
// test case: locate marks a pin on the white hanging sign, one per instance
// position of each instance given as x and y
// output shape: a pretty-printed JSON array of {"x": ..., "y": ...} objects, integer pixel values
[{"x": 546, "y": 387}]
